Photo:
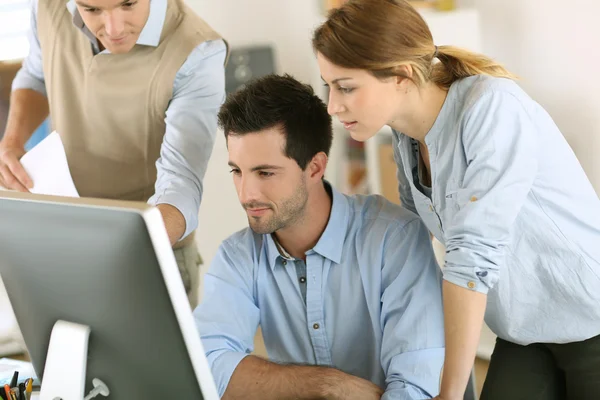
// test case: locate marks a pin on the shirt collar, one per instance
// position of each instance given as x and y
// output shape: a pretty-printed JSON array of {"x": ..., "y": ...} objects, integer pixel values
[
  {"x": 281, "y": 250},
  {"x": 438, "y": 126},
  {"x": 150, "y": 35},
  {"x": 331, "y": 242}
]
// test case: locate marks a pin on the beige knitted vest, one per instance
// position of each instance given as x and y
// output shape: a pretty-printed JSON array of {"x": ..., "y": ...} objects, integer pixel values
[{"x": 109, "y": 109}]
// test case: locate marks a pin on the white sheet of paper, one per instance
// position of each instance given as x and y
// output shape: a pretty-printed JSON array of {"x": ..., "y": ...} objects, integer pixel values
[{"x": 47, "y": 167}]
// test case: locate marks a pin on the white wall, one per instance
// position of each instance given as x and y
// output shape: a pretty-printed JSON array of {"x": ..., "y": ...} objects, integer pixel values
[
  {"x": 553, "y": 46},
  {"x": 287, "y": 25}
]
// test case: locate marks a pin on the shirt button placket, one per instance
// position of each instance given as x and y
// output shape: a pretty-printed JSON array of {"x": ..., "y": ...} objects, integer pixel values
[{"x": 315, "y": 312}]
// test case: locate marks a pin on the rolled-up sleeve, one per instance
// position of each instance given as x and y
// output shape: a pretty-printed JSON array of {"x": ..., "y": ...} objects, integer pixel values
[
  {"x": 228, "y": 316},
  {"x": 412, "y": 351},
  {"x": 500, "y": 144},
  {"x": 191, "y": 125},
  {"x": 31, "y": 74}
]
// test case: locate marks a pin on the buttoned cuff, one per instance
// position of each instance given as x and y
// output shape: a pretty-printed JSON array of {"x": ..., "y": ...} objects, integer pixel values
[
  {"x": 182, "y": 201},
  {"x": 24, "y": 80},
  {"x": 466, "y": 277}
]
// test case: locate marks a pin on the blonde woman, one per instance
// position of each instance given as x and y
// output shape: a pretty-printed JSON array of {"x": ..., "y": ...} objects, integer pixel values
[{"x": 493, "y": 179}]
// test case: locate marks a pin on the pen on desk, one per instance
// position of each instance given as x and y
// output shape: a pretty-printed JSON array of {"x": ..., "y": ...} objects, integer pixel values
[
  {"x": 22, "y": 391},
  {"x": 15, "y": 378},
  {"x": 13, "y": 394},
  {"x": 29, "y": 388},
  {"x": 7, "y": 392}
]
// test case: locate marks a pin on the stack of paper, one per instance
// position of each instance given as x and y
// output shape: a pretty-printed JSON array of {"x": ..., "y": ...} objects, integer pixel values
[{"x": 46, "y": 165}]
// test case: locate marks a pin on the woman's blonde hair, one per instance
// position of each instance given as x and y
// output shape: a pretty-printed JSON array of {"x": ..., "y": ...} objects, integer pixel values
[{"x": 381, "y": 35}]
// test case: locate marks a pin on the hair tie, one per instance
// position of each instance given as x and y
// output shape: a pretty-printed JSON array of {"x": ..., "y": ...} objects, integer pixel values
[{"x": 435, "y": 53}]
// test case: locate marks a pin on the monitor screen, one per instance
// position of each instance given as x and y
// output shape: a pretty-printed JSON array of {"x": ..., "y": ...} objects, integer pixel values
[{"x": 107, "y": 265}]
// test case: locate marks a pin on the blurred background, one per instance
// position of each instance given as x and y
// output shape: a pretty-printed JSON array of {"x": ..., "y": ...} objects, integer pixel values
[{"x": 550, "y": 44}]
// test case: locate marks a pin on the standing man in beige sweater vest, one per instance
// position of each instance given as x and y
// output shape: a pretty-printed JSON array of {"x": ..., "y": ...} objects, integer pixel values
[{"x": 133, "y": 88}]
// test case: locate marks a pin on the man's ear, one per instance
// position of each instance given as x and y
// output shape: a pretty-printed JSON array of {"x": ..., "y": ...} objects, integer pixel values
[{"x": 316, "y": 167}]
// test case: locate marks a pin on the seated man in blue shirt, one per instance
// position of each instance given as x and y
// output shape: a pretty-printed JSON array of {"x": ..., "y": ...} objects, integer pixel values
[{"x": 345, "y": 288}]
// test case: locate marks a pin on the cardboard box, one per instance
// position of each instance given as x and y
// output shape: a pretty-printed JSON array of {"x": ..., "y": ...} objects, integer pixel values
[
  {"x": 387, "y": 168},
  {"x": 8, "y": 70}
]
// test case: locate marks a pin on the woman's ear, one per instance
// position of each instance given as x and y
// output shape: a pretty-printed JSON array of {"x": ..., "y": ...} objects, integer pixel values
[{"x": 404, "y": 74}]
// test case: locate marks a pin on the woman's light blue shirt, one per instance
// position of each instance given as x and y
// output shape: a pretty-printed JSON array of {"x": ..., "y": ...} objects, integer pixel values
[{"x": 519, "y": 218}]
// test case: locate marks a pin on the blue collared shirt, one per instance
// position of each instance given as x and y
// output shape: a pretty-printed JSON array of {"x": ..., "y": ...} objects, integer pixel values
[
  {"x": 373, "y": 303},
  {"x": 519, "y": 218},
  {"x": 191, "y": 118}
]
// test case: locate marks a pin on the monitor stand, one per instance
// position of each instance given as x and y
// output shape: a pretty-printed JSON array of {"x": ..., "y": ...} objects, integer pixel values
[{"x": 66, "y": 362}]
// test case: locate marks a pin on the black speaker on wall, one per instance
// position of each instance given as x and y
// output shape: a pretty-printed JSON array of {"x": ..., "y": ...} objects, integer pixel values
[{"x": 246, "y": 63}]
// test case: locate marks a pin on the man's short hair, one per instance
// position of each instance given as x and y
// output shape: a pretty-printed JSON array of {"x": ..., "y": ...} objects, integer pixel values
[{"x": 280, "y": 101}]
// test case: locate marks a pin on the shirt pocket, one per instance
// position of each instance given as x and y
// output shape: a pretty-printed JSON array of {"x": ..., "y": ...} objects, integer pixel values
[{"x": 451, "y": 204}]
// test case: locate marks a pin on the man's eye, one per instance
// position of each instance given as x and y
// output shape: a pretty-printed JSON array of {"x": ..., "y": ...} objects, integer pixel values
[
  {"x": 265, "y": 174},
  {"x": 235, "y": 171}
]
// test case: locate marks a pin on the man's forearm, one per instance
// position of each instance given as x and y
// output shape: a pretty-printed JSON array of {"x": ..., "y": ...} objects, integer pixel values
[
  {"x": 463, "y": 318},
  {"x": 255, "y": 378},
  {"x": 174, "y": 222},
  {"x": 28, "y": 109}
]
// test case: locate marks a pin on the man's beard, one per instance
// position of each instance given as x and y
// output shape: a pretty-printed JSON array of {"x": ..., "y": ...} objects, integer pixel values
[{"x": 290, "y": 211}]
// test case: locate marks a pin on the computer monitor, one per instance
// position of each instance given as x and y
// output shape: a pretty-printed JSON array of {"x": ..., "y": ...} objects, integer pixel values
[{"x": 106, "y": 265}]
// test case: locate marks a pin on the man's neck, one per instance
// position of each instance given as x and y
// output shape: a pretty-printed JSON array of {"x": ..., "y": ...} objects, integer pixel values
[{"x": 304, "y": 234}]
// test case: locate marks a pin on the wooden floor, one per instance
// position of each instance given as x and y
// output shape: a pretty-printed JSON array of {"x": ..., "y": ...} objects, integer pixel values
[{"x": 481, "y": 368}]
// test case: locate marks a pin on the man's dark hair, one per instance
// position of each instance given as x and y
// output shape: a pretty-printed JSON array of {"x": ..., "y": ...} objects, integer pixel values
[{"x": 280, "y": 100}]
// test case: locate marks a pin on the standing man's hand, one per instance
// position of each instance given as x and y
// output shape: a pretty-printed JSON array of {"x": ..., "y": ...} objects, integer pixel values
[
  {"x": 174, "y": 222},
  {"x": 12, "y": 173}
]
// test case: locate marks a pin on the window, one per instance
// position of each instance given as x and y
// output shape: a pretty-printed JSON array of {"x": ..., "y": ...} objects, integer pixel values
[{"x": 14, "y": 26}]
